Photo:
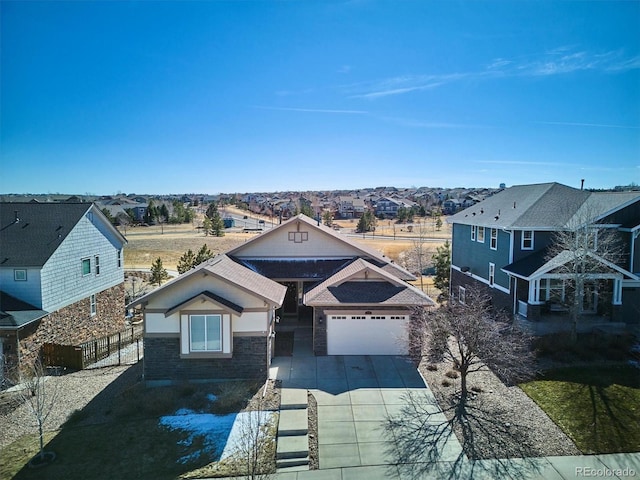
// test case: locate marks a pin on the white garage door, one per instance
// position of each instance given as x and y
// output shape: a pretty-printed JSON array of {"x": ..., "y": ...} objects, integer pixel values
[{"x": 367, "y": 334}]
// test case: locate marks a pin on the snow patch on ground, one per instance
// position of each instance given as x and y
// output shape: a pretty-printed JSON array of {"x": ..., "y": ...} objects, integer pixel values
[{"x": 221, "y": 434}]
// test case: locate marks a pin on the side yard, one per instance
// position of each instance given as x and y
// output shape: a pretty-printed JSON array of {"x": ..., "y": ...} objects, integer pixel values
[
  {"x": 108, "y": 414},
  {"x": 586, "y": 400}
]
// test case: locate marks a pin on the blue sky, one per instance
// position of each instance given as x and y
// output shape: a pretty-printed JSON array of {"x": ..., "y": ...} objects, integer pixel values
[{"x": 240, "y": 96}]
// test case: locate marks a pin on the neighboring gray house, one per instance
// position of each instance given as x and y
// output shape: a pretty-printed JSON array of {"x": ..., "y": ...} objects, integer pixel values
[
  {"x": 61, "y": 276},
  {"x": 502, "y": 244}
]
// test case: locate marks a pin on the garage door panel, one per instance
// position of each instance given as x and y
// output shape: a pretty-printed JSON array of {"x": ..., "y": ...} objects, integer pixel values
[{"x": 366, "y": 335}]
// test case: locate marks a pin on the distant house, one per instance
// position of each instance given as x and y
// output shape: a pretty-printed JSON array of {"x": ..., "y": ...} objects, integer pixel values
[
  {"x": 61, "y": 276},
  {"x": 502, "y": 244},
  {"x": 349, "y": 206},
  {"x": 219, "y": 319},
  {"x": 451, "y": 206}
]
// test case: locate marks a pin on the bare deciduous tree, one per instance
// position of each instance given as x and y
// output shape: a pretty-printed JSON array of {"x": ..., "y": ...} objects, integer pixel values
[
  {"x": 473, "y": 337},
  {"x": 40, "y": 394},
  {"x": 580, "y": 254},
  {"x": 254, "y": 455}
]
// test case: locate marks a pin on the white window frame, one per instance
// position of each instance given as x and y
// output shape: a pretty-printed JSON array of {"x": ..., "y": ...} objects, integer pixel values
[
  {"x": 20, "y": 275},
  {"x": 85, "y": 272},
  {"x": 524, "y": 240},
  {"x": 493, "y": 242},
  {"x": 462, "y": 295},
  {"x": 96, "y": 264},
  {"x": 93, "y": 304},
  {"x": 207, "y": 318},
  {"x": 474, "y": 229},
  {"x": 480, "y": 236},
  {"x": 492, "y": 273}
]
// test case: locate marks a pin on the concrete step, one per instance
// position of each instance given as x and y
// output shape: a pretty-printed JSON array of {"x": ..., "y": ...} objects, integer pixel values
[
  {"x": 292, "y": 447},
  {"x": 292, "y": 464},
  {"x": 293, "y": 422},
  {"x": 293, "y": 398}
]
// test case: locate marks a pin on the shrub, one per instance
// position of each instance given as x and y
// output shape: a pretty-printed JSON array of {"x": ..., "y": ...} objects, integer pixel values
[
  {"x": 452, "y": 374},
  {"x": 432, "y": 368},
  {"x": 446, "y": 383}
]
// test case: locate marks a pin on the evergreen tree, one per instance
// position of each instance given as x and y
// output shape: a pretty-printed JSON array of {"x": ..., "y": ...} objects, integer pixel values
[
  {"x": 206, "y": 225},
  {"x": 438, "y": 223},
  {"x": 186, "y": 262},
  {"x": 217, "y": 224},
  {"x": 366, "y": 223},
  {"x": 110, "y": 217},
  {"x": 307, "y": 210},
  {"x": 203, "y": 255},
  {"x": 327, "y": 218},
  {"x": 442, "y": 265},
  {"x": 150, "y": 214},
  {"x": 158, "y": 272}
]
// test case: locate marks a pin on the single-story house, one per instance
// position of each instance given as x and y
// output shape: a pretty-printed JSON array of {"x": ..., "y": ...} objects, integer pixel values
[{"x": 219, "y": 320}]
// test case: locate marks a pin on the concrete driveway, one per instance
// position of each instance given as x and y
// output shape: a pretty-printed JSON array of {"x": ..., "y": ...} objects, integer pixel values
[{"x": 356, "y": 395}]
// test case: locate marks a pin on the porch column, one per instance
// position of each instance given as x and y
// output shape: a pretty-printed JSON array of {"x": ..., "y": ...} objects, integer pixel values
[
  {"x": 534, "y": 291},
  {"x": 617, "y": 291}
]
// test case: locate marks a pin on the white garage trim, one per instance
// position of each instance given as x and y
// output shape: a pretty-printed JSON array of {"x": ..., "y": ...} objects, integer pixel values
[{"x": 357, "y": 334}]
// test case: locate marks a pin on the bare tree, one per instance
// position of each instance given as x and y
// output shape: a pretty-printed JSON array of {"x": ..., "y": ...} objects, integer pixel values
[
  {"x": 254, "y": 454},
  {"x": 418, "y": 256},
  {"x": 473, "y": 337},
  {"x": 40, "y": 394},
  {"x": 580, "y": 254}
]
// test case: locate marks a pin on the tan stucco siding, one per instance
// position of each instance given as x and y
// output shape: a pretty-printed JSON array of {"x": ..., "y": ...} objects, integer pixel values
[{"x": 293, "y": 242}]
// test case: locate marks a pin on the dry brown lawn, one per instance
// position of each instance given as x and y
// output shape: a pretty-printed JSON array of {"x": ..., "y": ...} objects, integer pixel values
[{"x": 170, "y": 242}]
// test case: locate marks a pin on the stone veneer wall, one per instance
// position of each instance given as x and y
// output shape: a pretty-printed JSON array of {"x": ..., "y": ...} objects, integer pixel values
[
  {"x": 163, "y": 363},
  {"x": 74, "y": 323},
  {"x": 319, "y": 332}
]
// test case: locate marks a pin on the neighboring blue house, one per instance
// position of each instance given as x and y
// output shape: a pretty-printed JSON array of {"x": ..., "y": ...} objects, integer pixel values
[
  {"x": 61, "y": 276},
  {"x": 502, "y": 244}
]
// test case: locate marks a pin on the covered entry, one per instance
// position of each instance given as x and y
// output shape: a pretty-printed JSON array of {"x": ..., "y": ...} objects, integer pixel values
[{"x": 367, "y": 334}]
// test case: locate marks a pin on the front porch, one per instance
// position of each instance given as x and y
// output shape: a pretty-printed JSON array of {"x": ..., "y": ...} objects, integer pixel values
[{"x": 557, "y": 323}]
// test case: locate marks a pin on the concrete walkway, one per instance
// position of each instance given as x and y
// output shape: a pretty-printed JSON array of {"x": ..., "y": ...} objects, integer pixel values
[{"x": 357, "y": 394}]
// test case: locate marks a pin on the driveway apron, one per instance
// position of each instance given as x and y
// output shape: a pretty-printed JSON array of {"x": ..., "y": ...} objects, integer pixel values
[{"x": 356, "y": 395}]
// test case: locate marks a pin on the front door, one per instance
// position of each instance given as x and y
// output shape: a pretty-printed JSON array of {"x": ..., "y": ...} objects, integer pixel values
[{"x": 290, "y": 305}]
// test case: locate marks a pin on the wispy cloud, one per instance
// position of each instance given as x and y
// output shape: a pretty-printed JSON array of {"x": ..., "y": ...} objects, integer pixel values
[
  {"x": 413, "y": 123},
  {"x": 559, "y": 61},
  {"x": 313, "y": 110},
  {"x": 594, "y": 125}
]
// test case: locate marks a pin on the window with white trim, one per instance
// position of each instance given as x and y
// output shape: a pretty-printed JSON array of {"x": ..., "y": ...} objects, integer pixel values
[
  {"x": 527, "y": 240},
  {"x": 205, "y": 333},
  {"x": 93, "y": 304},
  {"x": 462, "y": 295},
  {"x": 20, "y": 275},
  {"x": 492, "y": 273},
  {"x": 474, "y": 229},
  {"x": 97, "y": 264},
  {"x": 494, "y": 239},
  {"x": 480, "y": 234},
  {"x": 358, "y": 317},
  {"x": 86, "y": 266}
]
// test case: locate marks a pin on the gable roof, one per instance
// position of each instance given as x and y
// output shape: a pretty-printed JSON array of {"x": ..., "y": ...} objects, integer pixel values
[
  {"x": 542, "y": 206},
  {"x": 538, "y": 264},
  {"x": 361, "y": 250},
  {"x": 207, "y": 295},
  {"x": 224, "y": 268},
  {"x": 31, "y": 232},
  {"x": 383, "y": 289},
  {"x": 14, "y": 313}
]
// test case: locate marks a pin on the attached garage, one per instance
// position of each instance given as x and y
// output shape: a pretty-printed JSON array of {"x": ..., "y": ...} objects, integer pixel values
[{"x": 373, "y": 334}]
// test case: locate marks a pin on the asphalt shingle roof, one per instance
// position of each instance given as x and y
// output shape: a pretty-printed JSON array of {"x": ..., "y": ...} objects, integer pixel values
[
  {"x": 31, "y": 232},
  {"x": 16, "y": 313},
  {"x": 542, "y": 206}
]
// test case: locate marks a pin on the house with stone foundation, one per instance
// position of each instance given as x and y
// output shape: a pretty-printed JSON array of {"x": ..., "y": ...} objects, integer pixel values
[
  {"x": 61, "y": 277},
  {"x": 223, "y": 319}
]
